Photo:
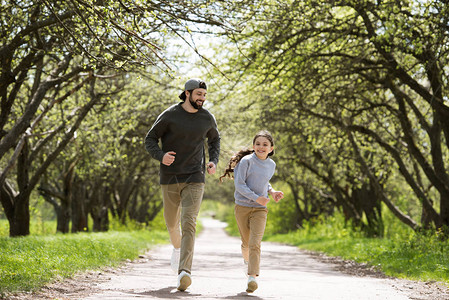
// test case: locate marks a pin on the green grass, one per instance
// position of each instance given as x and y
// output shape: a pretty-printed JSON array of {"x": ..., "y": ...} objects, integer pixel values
[
  {"x": 28, "y": 263},
  {"x": 420, "y": 257},
  {"x": 423, "y": 257}
]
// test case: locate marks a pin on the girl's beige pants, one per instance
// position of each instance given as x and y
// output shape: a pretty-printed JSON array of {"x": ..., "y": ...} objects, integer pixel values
[{"x": 251, "y": 222}]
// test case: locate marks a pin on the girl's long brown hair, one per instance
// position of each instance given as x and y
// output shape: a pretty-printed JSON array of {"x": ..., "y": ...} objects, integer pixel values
[{"x": 235, "y": 159}]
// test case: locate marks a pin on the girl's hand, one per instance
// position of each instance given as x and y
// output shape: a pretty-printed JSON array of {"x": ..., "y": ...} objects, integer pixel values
[
  {"x": 263, "y": 200},
  {"x": 277, "y": 195}
]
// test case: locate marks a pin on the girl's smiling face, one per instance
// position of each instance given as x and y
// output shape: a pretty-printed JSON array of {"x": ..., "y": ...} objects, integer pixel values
[{"x": 262, "y": 147}]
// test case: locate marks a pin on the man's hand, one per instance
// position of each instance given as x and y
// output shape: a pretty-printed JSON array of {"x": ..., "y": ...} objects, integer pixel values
[
  {"x": 211, "y": 168},
  {"x": 168, "y": 158}
]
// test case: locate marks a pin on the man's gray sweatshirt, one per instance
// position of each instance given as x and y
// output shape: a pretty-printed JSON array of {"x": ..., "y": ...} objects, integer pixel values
[
  {"x": 184, "y": 133},
  {"x": 252, "y": 179}
]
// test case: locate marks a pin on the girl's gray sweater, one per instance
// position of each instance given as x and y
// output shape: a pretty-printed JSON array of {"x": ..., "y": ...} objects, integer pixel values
[{"x": 251, "y": 179}]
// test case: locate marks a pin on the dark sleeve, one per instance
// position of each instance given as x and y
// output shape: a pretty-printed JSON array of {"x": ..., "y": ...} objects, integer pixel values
[
  {"x": 213, "y": 142},
  {"x": 153, "y": 136}
]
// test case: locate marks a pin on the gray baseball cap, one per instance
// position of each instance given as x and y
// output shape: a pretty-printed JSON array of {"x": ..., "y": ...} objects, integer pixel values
[{"x": 194, "y": 83}]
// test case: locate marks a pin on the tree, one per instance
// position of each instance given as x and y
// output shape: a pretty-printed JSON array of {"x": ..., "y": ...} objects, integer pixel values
[
  {"x": 373, "y": 71},
  {"x": 52, "y": 51}
]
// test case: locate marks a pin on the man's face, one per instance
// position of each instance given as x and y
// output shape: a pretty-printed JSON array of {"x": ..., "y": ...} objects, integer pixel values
[{"x": 197, "y": 98}]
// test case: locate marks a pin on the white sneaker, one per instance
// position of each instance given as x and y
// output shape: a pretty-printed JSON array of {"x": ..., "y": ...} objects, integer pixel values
[
  {"x": 252, "y": 284},
  {"x": 174, "y": 262},
  {"x": 184, "y": 281}
]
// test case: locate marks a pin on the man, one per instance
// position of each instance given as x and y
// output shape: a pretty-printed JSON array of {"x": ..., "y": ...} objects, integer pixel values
[{"x": 183, "y": 129}]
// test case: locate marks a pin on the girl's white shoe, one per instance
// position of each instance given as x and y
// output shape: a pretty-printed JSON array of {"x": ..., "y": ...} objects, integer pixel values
[{"x": 252, "y": 284}]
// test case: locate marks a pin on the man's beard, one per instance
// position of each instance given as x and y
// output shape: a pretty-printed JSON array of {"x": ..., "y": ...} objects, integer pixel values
[{"x": 195, "y": 106}]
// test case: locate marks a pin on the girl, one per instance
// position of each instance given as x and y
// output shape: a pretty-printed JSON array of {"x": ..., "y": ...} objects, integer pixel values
[{"x": 252, "y": 171}]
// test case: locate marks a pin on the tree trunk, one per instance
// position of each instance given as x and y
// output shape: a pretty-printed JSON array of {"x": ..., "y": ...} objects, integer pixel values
[
  {"x": 369, "y": 204},
  {"x": 426, "y": 220},
  {"x": 63, "y": 211},
  {"x": 299, "y": 213},
  {"x": 20, "y": 222},
  {"x": 79, "y": 212},
  {"x": 16, "y": 210},
  {"x": 19, "y": 225},
  {"x": 122, "y": 196},
  {"x": 101, "y": 220},
  {"x": 7, "y": 195},
  {"x": 100, "y": 212},
  {"x": 99, "y": 209},
  {"x": 444, "y": 213}
]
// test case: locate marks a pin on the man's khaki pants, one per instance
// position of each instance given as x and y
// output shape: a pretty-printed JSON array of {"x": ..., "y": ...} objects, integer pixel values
[
  {"x": 182, "y": 203},
  {"x": 251, "y": 222}
]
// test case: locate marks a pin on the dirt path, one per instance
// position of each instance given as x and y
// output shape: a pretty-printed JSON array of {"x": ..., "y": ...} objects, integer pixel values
[{"x": 286, "y": 273}]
